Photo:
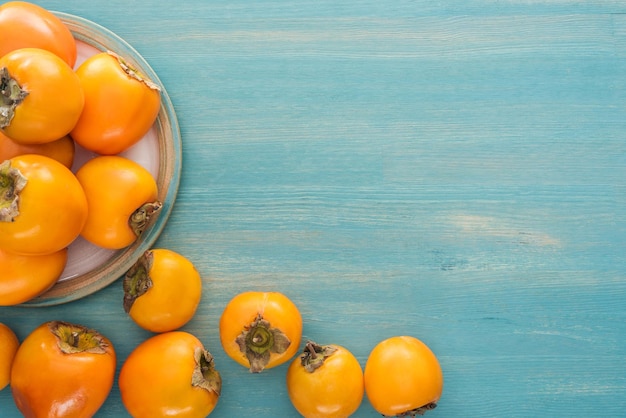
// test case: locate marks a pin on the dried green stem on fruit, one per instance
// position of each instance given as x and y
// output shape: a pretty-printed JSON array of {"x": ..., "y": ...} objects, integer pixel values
[
  {"x": 418, "y": 411},
  {"x": 140, "y": 218},
  {"x": 133, "y": 72},
  {"x": 12, "y": 182},
  {"x": 11, "y": 95},
  {"x": 73, "y": 338},
  {"x": 259, "y": 340},
  {"x": 137, "y": 279},
  {"x": 314, "y": 355},
  {"x": 205, "y": 375}
]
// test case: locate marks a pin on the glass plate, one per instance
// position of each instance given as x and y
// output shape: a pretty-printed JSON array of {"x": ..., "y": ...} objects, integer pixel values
[{"x": 90, "y": 268}]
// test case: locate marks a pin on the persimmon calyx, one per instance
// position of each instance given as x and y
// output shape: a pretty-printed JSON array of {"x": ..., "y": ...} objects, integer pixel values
[
  {"x": 418, "y": 411},
  {"x": 258, "y": 340},
  {"x": 74, "y": 339},
  {"x": 132, "y": 72},
  {"x": 11, "y": 95},
  {"x": 12, "y": 182},
  {"x": 314, "y": 355},
  {"x": 204, "y": 375},
  {"x": 139, "y": 219},
  {"x": 137, "y": 280}
]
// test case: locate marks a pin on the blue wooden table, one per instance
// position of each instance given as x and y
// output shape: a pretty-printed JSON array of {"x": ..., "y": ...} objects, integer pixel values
[{"x": 452, "y": 170}]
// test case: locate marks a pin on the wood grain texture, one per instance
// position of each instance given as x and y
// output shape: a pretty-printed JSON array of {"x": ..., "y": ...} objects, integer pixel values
[{"x": 451, "y": 170}]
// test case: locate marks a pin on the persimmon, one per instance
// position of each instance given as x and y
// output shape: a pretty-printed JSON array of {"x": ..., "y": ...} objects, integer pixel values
[
  {"x": 121, "y": 104},
  {"x": 122, "y": 197},
  {"x": 42, "y": 97},
  {"x": 8, "y": 348},
  {"x": 260, "y": 330},
  {"x": 26, "y": 25},
  {"x": 403, "y": 377},
  {"x": 63, "y": 149},
  {"x": 62, "y": 370},
  {"x": 325, "y": 381},
  {"x": 27, "y": 276},
  {"x": 43, "y": 207},
  {"x": 162, "y": 290},
  {"x": 170, "y": 375}
]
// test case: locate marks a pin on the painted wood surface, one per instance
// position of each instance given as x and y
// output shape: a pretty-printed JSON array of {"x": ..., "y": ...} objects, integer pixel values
[{"x": 451, "y": 170}]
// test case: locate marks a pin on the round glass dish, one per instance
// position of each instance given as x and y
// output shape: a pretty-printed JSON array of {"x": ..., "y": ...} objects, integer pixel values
[{"x": 90, "y": 268}]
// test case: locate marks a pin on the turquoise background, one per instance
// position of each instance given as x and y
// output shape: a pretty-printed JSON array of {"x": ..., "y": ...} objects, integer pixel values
[{"x": 451, "y": 170}]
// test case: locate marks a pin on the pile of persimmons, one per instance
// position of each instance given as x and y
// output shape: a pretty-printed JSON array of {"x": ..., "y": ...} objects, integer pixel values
[{"x": 49, "y": 105}]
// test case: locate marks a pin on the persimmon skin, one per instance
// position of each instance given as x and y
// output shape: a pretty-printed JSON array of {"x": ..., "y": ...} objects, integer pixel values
[
  {"x": 54, "y": 97},
  {"x": 25, "y": 277},
  {"x": 402, "y": 376},
  {"x": 47, "y": 380},
  {"x": 62, "y": 149},
  {"x": 244, "y": 309},
  {"x": 27, "y": 25},
  {"x": 119, "y": 108},
  {"x": 333, "y": 390},
  {"x": 174, "y": 290},
  {"x": 115, "y": 188},
  {"x": 157, "y": 378},
  {"x": 52, "y": 208},
  {"x": 8, "y": 347}
]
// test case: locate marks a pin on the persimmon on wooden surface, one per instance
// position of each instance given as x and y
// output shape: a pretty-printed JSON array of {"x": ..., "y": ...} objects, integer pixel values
[
  {"x": 62, "y": 370},
  {"x": 260, "y": 330},
  {"x": 325, "y": 381},
  {"x": 8, "y": 348},
  {"x": 170, "y": 375},
  {"x": 162, "y": 290},
  {"x": 403, "y": 377}
]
